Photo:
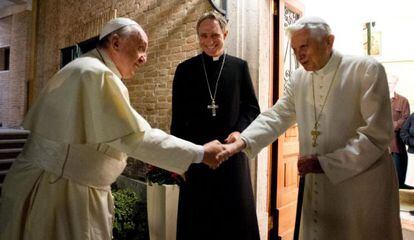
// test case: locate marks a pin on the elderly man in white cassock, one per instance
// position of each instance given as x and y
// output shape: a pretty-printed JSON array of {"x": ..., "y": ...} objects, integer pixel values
[
  {"x": 342, "y": 108},
  {"x": 82, "y": 129}
]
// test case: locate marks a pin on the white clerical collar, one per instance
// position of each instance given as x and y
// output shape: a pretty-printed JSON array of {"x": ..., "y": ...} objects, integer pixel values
[
  {"x": 214, "y": 58},
  {"x": 101, "y": 55},
  {"x": 331, "y": 65}
]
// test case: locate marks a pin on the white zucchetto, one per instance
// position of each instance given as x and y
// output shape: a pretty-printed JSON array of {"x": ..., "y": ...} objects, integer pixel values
[
  {"x": 306, "y": 21},
  {"x": 311, "y": 19},
  {"x": 115, "y": 24}
]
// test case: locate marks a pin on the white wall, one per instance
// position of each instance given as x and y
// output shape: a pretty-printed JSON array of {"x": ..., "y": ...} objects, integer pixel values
[
  {"x": 394, "y": 19},
  {"x": 253, "y": 43}
]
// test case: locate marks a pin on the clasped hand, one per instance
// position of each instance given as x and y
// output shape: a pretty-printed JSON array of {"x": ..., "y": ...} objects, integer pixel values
[{"x": 216, "y": 153}]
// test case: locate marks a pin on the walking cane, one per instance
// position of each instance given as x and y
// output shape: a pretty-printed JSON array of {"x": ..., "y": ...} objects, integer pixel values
[{"x": 299, "y": 207}]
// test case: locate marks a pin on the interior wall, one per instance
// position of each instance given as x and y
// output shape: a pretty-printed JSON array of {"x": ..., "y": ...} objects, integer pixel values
[{"x": 392, "y": 21}]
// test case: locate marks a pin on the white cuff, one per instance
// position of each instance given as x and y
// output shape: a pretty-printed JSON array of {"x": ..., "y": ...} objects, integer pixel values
[{"x": 200, "y": 154}]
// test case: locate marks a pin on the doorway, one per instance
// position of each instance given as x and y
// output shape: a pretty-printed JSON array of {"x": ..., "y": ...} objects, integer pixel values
[{"x": 284, "y": 177}]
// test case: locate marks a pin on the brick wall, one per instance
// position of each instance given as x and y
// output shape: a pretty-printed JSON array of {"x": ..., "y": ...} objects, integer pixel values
[
  {"x": 13, "y": 33},
  {"x": 5, "y": 32},
  {"x": 170, "y": 25},
  {"x": 18, "y": 66}
]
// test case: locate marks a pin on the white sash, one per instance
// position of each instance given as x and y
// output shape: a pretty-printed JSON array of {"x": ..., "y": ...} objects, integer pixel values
[{"x": 94, "y": 165}]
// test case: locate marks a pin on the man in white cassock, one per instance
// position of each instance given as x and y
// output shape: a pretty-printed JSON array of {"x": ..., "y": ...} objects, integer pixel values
[
  {"x": 342, "y": 107},
  {"x": 82, "y": 129}
]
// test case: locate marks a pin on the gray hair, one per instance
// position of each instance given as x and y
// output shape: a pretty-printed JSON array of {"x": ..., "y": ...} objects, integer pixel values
[
  {"x": 317, "y": 26},
  {"x": 213, "y": 16}
]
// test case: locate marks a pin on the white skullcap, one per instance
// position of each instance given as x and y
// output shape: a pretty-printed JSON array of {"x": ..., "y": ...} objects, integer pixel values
[
  {"x": 311, "y": 19},
  {"x": 315, "y": 22},
  {"x": 116, "y": 24}
]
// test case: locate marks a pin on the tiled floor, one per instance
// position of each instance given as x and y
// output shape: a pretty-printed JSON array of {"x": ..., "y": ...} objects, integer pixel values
[
  {"x": 407, "y": 222},
  {"x": 407, "y": 218}
]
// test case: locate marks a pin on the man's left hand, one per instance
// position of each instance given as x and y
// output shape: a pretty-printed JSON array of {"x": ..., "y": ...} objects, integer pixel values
[{"x": 309, "y": 164}]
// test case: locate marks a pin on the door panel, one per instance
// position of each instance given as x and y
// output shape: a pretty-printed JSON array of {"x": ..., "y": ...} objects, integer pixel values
[{"x": 286, "y": 149}]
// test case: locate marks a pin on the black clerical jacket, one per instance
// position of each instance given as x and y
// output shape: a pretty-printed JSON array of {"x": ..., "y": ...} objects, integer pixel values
[
  {"x": 238, "y": 107},
  {"x": 215, "y": 204}
]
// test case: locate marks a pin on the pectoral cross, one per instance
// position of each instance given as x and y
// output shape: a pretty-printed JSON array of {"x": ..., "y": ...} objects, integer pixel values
[
  {"x": 315, "y": 133},
  {"x": 213, "y": 107}
]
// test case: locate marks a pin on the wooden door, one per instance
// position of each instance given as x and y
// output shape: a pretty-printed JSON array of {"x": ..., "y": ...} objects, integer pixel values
[{"x": 284, "y": 183}]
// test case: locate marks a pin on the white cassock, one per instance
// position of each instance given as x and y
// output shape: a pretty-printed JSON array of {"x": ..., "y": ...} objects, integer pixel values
[
  {"x": 82, "y": 129},
  {"x": 357, "y": 196}
]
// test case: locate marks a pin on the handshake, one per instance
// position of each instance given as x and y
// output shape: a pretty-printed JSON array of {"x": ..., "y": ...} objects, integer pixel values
[{"x": 216, "y": 153}]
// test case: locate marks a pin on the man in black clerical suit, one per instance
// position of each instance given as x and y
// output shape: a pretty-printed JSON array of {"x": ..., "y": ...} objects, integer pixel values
[{"x": 213, "y": 96}]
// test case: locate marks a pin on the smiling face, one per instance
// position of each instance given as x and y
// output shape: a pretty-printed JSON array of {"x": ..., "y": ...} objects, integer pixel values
[
  {"x": 211, "y": 37},
  {"x": 311, "y": 51},
  {"x": 129, "y": 51}
]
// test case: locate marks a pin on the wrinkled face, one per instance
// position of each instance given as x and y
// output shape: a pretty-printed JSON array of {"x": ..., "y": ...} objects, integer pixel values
[
  {"x": 130, "y": 52},
  {"x": 311, "y": 52},
  {"x": 211, "y": 37}
]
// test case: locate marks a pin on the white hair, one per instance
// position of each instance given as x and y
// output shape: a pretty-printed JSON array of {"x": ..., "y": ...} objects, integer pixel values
[{"x": 317, "y": 26}]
